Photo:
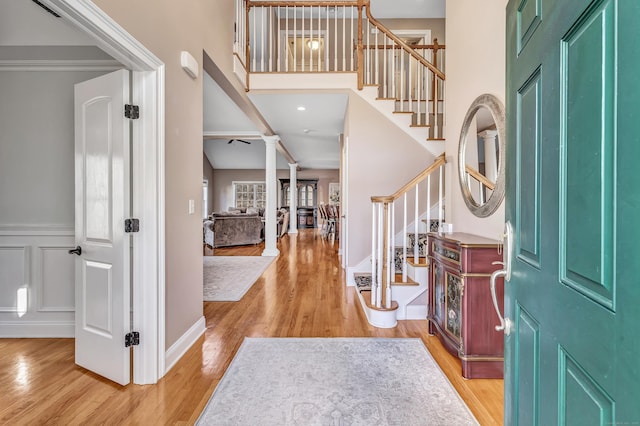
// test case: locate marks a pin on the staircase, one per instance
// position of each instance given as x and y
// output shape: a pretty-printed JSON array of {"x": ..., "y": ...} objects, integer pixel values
[{"x": 340, "y": 45}]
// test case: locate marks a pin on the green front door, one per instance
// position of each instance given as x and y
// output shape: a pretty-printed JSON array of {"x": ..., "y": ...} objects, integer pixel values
[{"x": 573, "y": 198}]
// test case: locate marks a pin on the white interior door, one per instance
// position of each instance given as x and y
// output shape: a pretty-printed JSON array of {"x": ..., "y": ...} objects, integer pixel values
[{"x": 102, "y": 203}]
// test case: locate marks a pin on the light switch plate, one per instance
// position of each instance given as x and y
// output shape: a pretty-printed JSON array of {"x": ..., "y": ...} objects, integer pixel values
[{"x": 192, "y": 206}]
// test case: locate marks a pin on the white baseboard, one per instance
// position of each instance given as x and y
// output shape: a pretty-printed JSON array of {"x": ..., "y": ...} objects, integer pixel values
[
  {"x": 182, "y": 345},
  {"x": 34, "y": 329}
]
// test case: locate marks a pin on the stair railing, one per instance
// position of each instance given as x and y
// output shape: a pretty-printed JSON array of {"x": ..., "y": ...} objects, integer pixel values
[
  {"x": 384, "y": 229},
  {"x": 408, "y": 74},
  {"x": 483, "y": 186},
  {"x": 343, "y": 36}
]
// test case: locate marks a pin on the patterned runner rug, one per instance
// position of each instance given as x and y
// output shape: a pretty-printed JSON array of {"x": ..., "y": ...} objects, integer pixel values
[
  {"x": 228, "y": 278},
  {"x": 334, "y": 381}
]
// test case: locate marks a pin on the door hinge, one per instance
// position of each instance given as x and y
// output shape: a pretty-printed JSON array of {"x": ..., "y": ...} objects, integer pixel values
[
  {"x": 131, "y": 339},
  {"x": 131, "y": 225},
  {"x": 132, "y": 111}
]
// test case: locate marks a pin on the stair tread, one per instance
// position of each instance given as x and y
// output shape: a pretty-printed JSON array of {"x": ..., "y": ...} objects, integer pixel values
[
  {"x": 436, "y": 139},
  {"x": 422, "y": 262},
  {"x": 397, "y": 281},
  {"x": 386, "y": 99},
  {"x": 403, "y": 112}
]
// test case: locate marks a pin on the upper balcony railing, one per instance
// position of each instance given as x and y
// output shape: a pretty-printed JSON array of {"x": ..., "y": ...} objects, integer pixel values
[{"x": 343, "y": 36}]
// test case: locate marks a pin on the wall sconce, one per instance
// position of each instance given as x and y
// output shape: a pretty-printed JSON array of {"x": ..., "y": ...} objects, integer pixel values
[
  {"x": 189, "y": 64},
  {"x": 313, "y": 44}
]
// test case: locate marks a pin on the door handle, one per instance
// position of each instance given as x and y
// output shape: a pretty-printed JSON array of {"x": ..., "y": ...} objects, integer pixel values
[
  {"x": 77, "y": 250},
  {"x": 505, "y": 323}
]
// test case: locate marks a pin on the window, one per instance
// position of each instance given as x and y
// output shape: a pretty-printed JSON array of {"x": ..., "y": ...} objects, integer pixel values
[
  {"x": 250, "y": 194},
  {"x": 205, "y": 197}
]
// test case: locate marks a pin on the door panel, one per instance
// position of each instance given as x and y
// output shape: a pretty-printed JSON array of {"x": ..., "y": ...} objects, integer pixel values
[
  {"x": 572, "y": 196},
  {"x": 102, "y": 203}
]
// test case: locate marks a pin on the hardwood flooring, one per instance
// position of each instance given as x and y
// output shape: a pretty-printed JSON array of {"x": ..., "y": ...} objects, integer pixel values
[{"x": 302, "y": 294}]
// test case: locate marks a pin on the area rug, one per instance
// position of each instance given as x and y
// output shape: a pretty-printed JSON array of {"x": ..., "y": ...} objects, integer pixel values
[
  {"x": 228, "y": 278},
  {"x": 334, "y": 381}
]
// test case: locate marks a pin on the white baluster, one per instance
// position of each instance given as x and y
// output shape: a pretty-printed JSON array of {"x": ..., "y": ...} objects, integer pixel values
[
  {"x": 384, "y": 77},
  {"x": 416, "y": 226},
  {"x": 440, "y": 196},
  {"x": 402, "y": 77},
  {"x": 344, "y": 19},
  {"x": 263, "y": 35},
  {"x": 311, "y": 38},
  {"x": 377, "y": 53},
  {"x": 404, "y": 240},
  {"x": 270, "y": 39},
  {"x": 295, "y": 38},
  {"x": 380, "y": 257},
  {"x": 351, "y": 38},
  {"x": 389, "y": 259},
  {"x": 392, "y": 243},
  {"x": 327, "y": 43},
  {"x": 374, "y": 253},
  {"x": 319, "y": 38},
  {"x": 304, "y": 64},
  {"x": 286, "y": 39},
  {"x": 335, "y": 39}
]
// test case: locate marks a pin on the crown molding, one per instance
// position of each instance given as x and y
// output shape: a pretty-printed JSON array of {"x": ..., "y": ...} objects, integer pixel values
[{"x": 59, "y": 65}]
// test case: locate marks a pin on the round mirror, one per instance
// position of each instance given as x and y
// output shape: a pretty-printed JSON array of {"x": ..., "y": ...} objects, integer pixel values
[{"x": 481, "y": 156}]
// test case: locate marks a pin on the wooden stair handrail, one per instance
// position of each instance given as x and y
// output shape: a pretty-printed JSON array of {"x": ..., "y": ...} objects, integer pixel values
[
  {"x": 299, "y": 3},
  {"x": 404, "y": 45},
  {"x": 359, "y": 4},
  {"x": 439, "y": 161},
  {"x": 479, "y": 177}
]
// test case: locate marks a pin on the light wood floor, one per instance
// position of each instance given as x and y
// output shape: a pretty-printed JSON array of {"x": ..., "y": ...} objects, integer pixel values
[{"x": 302, "y": 294}]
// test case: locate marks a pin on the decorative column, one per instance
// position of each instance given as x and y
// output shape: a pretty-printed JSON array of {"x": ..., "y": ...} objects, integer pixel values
[
  {"x": 270, "y": 248},
  {"x": 490, "y": 157},
  {"x": 293, "y": 198}
]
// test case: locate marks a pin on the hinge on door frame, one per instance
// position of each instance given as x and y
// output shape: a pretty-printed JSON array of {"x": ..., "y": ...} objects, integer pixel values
[
  {"x": 132, "y": 111},
  {"x": 131, "y": 225},
  {"x": 131, "y": 339}
]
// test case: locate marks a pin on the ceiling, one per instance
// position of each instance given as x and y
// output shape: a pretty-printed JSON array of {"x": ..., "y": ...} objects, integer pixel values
[{"x": 311, "y": 136}]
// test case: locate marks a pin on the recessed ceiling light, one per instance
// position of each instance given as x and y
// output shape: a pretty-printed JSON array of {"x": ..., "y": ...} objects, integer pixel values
[{"x": 301, "y": 108}]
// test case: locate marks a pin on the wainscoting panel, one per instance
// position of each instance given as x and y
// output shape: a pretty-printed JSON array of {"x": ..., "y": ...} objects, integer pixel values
[
  {"x": 14, "y": 277},
  {"x": 36, "y": 281},
  {"x": 56, "y": 272}
]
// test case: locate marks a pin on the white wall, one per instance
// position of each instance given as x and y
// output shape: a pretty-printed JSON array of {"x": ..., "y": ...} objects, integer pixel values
[
  {"x": 37, "y": 201},
  {"x": 476, "y": 35},
  {"x": 381, "y": 158}
]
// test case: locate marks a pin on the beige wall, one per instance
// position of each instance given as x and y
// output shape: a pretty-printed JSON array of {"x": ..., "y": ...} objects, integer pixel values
[
  {"x": 380, "y": 159},
  {"x": 223, "y": 187},
  {"x": 475, "y": 65},
  {"x": 166, "y": 28}
]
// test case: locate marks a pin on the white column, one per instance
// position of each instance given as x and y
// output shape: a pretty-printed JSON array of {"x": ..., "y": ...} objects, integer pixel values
[
  {"x": 270, "y": 248},
  {"x": 293, "y": 199},
  {"x": 490, "y": 157}
]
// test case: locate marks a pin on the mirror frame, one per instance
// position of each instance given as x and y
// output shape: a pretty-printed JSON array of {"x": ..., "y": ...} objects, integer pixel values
[{"x": 496, "y": 109}]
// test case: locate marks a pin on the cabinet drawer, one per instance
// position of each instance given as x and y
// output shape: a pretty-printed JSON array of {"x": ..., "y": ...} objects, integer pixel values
[{"x": 447, "y": 253}]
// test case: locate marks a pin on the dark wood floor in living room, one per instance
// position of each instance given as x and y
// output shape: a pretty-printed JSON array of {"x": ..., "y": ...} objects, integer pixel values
[{"x": 302, "y": 294}]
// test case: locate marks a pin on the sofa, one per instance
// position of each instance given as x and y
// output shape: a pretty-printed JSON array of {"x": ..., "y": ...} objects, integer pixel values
[{"x": 233, "y": 229}]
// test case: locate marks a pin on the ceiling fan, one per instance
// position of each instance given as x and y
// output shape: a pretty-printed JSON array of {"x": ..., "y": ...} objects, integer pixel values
[{"x": 239, "y": 140}]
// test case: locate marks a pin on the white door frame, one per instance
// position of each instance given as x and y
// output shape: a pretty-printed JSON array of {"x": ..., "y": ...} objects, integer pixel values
[{"x": 148, "y": 277}]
